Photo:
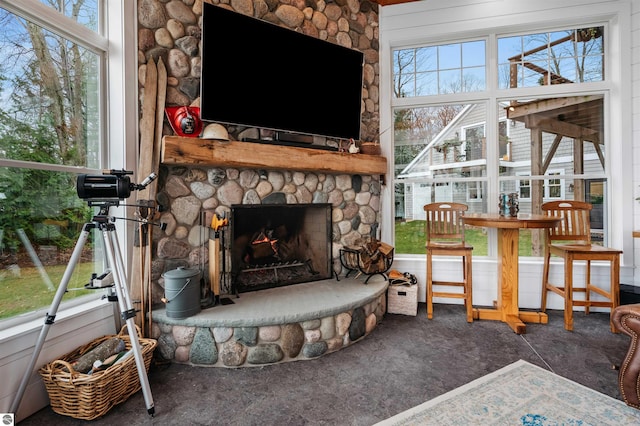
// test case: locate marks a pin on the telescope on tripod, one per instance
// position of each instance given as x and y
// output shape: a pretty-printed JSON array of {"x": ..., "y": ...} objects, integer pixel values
[{"x": 102, "y": 191}]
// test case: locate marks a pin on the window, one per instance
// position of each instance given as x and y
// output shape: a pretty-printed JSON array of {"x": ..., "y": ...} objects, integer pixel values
[
  {"x": 51, "y": 124},
  {"x": 448, "y": 164},
  {"x": 553, "y": 189},
  {"x": 84, "y": 12},
  {"x": 524, "y": 189},
  {"x": 555, "y": 57},
  {"x": 530, "y": 140},
  {"x": 474, "y": 192},
  {"x": 473, "y": 141},
  {"x": 448, "y": 68}
]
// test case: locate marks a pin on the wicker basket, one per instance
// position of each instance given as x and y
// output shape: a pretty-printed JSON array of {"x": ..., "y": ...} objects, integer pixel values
[
  {"x": 402, "y": 299},
  {"x": 88, "y": 396},
  {"x": 370, "y": 148}
]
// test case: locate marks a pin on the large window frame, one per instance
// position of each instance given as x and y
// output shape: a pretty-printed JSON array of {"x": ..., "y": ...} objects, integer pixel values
[
  {"x": 117, "y": 111},
  {"x": 609, "y": 89}
]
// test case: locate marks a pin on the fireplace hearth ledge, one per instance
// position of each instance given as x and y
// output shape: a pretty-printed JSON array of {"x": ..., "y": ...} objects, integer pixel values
[
  {"x": 282, "y": 324},
  {"x": 285, "y": 305}
]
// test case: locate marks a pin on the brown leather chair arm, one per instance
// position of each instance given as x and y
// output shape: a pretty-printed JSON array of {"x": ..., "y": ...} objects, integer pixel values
[{"x": 626, "y": 318}]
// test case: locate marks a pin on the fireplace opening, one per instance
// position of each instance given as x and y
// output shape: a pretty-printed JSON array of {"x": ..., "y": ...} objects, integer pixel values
[{"x": 280, "y": 244}]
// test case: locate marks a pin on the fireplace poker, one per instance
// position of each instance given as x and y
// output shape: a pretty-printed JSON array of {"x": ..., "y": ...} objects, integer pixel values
[
  {"x": 223, "y": 247},
  {"x": 214, "y": 255}
]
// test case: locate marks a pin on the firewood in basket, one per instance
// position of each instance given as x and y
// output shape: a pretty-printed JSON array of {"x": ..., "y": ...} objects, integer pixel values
[{"x": 101, "y": 352}]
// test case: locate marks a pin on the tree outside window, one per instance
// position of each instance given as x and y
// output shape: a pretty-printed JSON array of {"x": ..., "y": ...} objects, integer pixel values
[{"x": 50, "y": 130}]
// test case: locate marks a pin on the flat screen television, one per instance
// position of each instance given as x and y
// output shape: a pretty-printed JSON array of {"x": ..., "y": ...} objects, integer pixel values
[{"x": 258, "y": 74}]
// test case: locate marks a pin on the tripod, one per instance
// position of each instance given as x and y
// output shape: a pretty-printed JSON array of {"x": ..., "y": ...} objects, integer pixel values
[{"x": 114, "y": 258}]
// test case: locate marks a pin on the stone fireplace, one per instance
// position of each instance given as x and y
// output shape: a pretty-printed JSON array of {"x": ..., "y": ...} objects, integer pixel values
[
  {"x": 330, "y": 201},
  {"x": 278, "y": 245},
  {"x": 199, "y": 178},
  {"x": 343, "y": 208}
]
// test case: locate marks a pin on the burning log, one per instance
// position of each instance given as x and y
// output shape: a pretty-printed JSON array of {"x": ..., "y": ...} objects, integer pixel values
[{"x": 263, "y": 246}]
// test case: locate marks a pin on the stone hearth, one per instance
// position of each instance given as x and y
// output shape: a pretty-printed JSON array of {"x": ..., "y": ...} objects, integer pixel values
[{"x": 282, "y": 324}]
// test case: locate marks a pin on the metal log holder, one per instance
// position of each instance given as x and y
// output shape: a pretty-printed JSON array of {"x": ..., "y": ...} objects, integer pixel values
[{"x": 373, "y": 258}]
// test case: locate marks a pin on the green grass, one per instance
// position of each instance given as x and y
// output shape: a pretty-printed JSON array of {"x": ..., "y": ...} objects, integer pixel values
[
  {"x": 28, "y": 292},
  {"x": 410, "y": 238}
]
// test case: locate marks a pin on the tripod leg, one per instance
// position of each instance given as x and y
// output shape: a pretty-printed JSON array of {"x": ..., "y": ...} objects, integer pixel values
[
  {"x": 128, "y": 313},
  {"x": 143, "y": 273},
  {"x": 51, "y": 315},
  {"x": 149, "y": 282}
]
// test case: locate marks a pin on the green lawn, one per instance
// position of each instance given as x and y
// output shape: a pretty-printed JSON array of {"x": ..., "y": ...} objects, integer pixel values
[
  {"x": 410, "y": 238},
  {"x": 27, "y": 292}
]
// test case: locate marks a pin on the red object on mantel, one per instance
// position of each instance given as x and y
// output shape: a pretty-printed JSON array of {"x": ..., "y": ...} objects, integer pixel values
[{"x": 185, "y": 120}]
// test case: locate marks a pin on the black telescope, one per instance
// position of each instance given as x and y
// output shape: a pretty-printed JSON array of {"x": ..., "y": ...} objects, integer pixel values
[{"x": 112, "y": 185}]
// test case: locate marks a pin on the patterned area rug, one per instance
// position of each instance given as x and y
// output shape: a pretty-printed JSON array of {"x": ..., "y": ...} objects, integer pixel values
[{"x": 520, "y": 394}]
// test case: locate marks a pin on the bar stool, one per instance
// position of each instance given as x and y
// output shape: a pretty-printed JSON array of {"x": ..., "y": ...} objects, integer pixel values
[
  {"x": 445, "y": 237},
  {"x": 570, "y": 240}
]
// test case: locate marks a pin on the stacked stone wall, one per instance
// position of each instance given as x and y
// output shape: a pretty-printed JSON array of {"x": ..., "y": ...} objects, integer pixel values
[
  {"x": 171, "y": 30},
  {"x": 192, "y": 195}
]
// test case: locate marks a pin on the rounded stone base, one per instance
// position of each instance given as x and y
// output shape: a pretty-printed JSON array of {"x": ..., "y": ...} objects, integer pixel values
[{"x": 297, "y": 322}]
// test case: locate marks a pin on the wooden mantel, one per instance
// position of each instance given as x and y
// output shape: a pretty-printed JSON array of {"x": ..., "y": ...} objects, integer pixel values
[{"x": 207, "y": 152}]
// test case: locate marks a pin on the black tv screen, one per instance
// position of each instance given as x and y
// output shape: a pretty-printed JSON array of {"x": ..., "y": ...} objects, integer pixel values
[{"x": 257, "y": 74}]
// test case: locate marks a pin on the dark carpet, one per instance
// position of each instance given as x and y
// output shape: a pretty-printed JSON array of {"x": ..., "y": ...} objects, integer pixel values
[{"x": 405, "y": 361}]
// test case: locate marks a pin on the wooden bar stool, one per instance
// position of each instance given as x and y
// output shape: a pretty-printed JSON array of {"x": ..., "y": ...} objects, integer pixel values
[
  {"x": 571, "y": 241},
  {"x": 445, "y": 237}
]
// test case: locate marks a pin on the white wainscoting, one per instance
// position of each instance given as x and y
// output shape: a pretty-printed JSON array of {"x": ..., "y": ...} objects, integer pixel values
[
  {"x": 73, "y": 328},
  {"x": 485, "y": 279}
]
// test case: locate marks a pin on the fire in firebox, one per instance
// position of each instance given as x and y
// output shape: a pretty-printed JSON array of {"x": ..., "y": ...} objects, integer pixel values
[{"x": 278, "y": 245}]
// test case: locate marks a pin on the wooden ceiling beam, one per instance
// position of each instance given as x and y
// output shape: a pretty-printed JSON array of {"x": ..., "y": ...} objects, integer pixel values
[
  {"x": 547, "y": 105},
  {"x": 558, "y": 127}
]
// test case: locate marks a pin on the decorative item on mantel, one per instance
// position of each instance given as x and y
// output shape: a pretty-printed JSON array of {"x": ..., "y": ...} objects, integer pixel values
[
  {"x": 184, "y": 120},
  {"x": 353, "y": 148},
  {"x": 370, "y": 148},
  {"x": 373, "y": 147}
]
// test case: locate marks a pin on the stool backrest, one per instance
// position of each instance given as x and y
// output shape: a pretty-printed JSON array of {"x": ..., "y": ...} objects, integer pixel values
[
  {"x": 444, "y": 222},
  {"x": 575, "y": 225}
]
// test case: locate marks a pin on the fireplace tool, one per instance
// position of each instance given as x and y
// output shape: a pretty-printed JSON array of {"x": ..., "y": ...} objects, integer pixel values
[
  {"x": 103, "y": 191},
  {"x": 225, "y": 284},
  {"x": 206, "y": 296},
  {"x": 214, "y": 255}
]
